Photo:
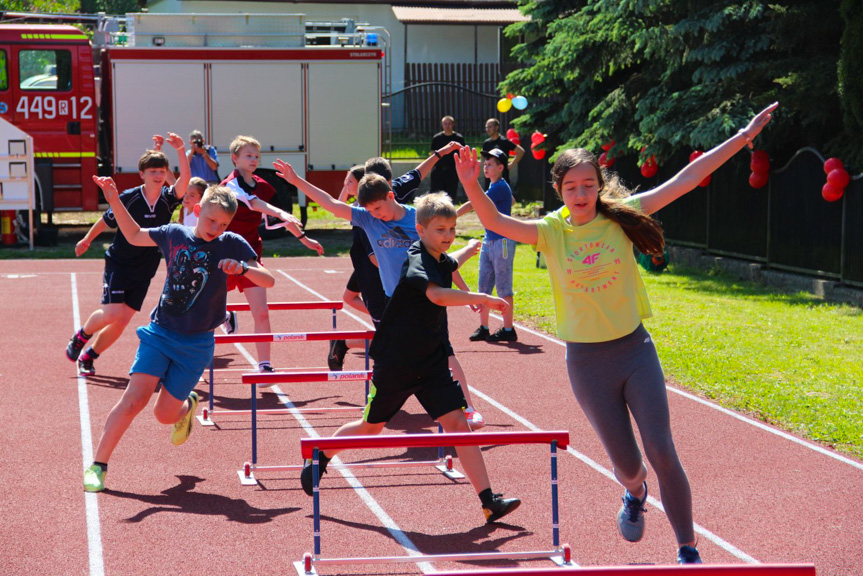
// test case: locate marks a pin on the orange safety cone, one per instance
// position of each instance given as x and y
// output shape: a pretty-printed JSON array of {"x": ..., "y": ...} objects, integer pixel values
[{"x": 7, "y": 227}]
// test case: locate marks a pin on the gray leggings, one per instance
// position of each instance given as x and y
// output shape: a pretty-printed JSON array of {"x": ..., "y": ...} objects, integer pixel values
[{"x": 610, "y": 379}]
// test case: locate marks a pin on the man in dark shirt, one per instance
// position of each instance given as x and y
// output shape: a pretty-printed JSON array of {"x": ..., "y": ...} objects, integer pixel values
[
  {"x": 495, "y": 140},
  {"x": 443, "y": 175}
]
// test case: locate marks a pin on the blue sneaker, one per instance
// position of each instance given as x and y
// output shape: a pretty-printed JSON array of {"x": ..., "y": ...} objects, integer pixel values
[
  {"x": 630, "y": 519},
  {"x": 688, "y": 555}
]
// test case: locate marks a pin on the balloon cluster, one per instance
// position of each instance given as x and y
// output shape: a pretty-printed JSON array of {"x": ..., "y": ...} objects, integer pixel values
[
  {"x": 536, "y": 140},
  {"x": 649, "y": 168},
  {"x": 505, "y": 104},
  {"x": 760, "y": 166},
  {"x": 709, "y": 177},
  {"x": 605, "y": 160},
  {"x": 513, "y": 137},
  {"x": 837, "y": 180}
]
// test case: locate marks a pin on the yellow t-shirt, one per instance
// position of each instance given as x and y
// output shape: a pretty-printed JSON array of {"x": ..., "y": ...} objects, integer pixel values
[{"x": 598, "y": 291}]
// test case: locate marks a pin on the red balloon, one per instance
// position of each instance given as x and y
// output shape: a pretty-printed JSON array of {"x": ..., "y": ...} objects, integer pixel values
[
  {"x": 758, "y": 180},
  {"x": 517, "y": 142},
  {"x": 511, "y": 134},
  {"x": 838, "y": 178},
  {"x": 537, "y": 137},
  {"x": 609, "y": 145},
  {"x": 605, "y": 160},
  {"x": 706, "y": 182},
  {"x": 695, "y": 155},
  {"x": 760, "y": 163},
  {"x": 832, "y": 164},
  {"x": 649, "y": 170},
  {"x": 830, "y": 193},
  {"x": 538, "y": 153},
  {"x": 510, "y": 95}
]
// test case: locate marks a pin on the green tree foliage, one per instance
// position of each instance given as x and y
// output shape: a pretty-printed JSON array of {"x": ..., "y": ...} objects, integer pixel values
[
  {"x": 671, "y": 75},
  {"x": 851, "y": 65},
  {"x": 47, "y": 6}
]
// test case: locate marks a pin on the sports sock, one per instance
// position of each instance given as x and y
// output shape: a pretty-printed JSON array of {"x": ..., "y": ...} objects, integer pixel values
[
  {"x": 101, "y": 465},
  {"x": 264, "y": 363},
  {"x": 83, "y": 335},
  {"x": 486, "y": 497},
  {"x": 89, "y": 354}
]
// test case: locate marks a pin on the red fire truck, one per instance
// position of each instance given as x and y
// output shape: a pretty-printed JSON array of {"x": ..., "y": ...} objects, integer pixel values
[{"x": 93, "y": 104}]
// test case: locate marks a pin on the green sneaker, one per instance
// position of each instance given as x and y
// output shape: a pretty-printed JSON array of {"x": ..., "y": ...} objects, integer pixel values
[
  {"x": 94, "y": 479},
  {"x": 183, "y": 428}
]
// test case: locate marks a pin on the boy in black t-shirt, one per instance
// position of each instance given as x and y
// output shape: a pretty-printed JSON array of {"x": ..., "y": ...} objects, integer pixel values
[
  {"x": 410, "y": 348},
  {"x": 128, "y": 268}
]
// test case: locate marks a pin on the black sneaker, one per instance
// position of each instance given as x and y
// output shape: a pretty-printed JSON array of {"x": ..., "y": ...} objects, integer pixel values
[
  {"x": 336, "y": 357},
  {"x": 688, "y": 555},
  {"x": 503, "y": 335},
  {"x": 499, "y": 507},
  {"x": 481, "y": 333},
  {"x": 229, "y": 326},
  {"x": 306, "y": 476},
  {"x": 85, "y": 367},
  {"x": 74, "y": 347}
]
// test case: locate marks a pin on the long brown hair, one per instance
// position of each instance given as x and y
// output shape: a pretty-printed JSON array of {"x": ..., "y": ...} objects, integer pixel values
[{"x": 644, "y": 232}]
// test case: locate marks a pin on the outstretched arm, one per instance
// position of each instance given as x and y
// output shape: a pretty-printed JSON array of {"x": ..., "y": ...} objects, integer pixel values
[
  {"x": 251, "y": 269},
  {"x": 449, "y": 297},
  {"x": 463, "y": 209},
  {"x": 425, "y": 168},
  {"x": 465, "y": 253},
  {"x": 133, "y": 233},
  {"x": 158, "y": 141},
  {"x": 688, "y": 178},
  {"x": 324, "y": 200},
  {"x": 293, "y": 225},
  {"x": 469, "y": 169},
  {"x": 84, "y": 244}
]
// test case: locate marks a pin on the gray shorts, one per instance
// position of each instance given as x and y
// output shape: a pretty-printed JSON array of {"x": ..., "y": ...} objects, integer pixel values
[{"x": 496, "y": 260}]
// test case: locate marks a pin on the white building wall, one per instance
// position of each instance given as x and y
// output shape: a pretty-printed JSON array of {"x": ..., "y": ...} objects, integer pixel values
[{"x": 463, "y": 43}]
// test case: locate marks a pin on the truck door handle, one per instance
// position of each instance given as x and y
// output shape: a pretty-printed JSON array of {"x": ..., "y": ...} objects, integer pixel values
[{"x": 73, "y": 128}]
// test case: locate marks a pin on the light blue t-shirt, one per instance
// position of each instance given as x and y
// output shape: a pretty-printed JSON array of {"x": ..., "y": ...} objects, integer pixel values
[
  {"x": 198, "y": 165},
  {"x": 390, "y": 241},
  {"x": 501, "y": 194}
]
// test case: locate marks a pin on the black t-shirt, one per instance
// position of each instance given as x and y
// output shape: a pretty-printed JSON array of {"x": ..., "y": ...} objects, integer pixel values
[
  {"x": 446, "y": 163},
  {"x": 145, "y": 259},
  {"x": 405, "y": 186},
  {"x": 366, "y": 274},
  {"x": 412, "y": 336}
]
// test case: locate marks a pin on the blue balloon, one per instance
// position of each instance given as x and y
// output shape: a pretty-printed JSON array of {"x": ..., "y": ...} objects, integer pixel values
[{"x": 519, "y": 102}]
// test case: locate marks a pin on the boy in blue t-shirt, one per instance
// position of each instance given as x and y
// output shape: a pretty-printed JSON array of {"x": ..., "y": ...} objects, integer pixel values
[
  {"x": 497, "y": 257},
  {"x": 178, "y": 344}
]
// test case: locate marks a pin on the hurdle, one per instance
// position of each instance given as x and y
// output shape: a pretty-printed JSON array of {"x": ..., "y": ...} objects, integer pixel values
[
  {"x": 205, "y": 418},
  {"x": 635, "y": 570},
  {"x": 311, "y": 448},
  {"x": 247, "y": 474}
]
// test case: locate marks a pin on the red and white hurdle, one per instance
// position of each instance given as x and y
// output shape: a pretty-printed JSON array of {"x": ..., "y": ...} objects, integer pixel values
[
  {"x": 311, "y": 447},
  {"x": 695, "y": 570},
  {"x": 247, "y": 474},
  {"x": 205, "y": 418}
]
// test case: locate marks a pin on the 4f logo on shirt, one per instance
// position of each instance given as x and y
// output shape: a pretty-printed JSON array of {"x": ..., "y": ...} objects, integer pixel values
[{"x": 591, "y": 259}]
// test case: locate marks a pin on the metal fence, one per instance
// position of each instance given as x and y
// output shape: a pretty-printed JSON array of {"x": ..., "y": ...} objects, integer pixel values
[{"x": 786, "y": 225}]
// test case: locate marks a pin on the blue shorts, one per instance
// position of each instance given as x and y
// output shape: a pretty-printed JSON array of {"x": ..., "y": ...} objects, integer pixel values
[
  {"x": 177, "y": 359},
  {"x": 496, "y": 259}
]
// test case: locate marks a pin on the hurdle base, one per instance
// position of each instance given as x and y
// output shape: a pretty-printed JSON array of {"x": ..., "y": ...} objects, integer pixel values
[
  {"x": 249, "y": 480},
  {"x": 452, "y": 474},
  {"x": 301, "y": 569},
  {"x": 204, "y": 421}
]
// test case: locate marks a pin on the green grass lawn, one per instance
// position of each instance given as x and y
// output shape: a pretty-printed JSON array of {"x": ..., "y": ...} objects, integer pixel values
[{"x": 789, "y": 359}]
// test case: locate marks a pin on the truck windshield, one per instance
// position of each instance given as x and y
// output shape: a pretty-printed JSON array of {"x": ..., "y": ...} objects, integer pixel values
[
  {"x": 4, "y": 71},
  {"x": 45, "y": 70}
]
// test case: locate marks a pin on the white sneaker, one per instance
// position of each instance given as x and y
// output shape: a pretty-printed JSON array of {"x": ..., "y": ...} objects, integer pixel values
[
  {"x": 474, "y": 419},
  {"x": 229, "y": 326},
  {"x": 266, "y": 369}
]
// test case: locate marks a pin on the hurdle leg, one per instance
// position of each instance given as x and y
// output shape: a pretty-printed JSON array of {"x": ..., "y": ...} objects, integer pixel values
[
  {"x": 306, "y": 567},
  {"x": 204, "y": 417},
  {"x": 366, "y": 397},
  {"x": 564, "y": 560},
  {"x": 247, "y": 474},
  {"x": 445, "y": 465},
  {"x": 334, "y": 319}
]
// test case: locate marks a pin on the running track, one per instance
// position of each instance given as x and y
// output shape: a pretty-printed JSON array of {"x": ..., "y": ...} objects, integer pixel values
[{"x": 759, "y": 495}]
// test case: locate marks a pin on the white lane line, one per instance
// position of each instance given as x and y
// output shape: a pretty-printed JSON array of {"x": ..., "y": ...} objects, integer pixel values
[
  {"x": 704, "y": 532},
  {"x": 727, "y": 546},
  {"x": 364, "y": 495},
  {"x": 91, "y": 499},
  {"x": 726, "y": 411}
]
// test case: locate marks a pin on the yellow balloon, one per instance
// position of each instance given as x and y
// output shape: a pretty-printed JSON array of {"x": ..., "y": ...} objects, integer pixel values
[{"x": 504, "y": 104}]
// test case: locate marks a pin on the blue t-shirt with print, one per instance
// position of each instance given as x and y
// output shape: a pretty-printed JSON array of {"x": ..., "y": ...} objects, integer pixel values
[
  {"x": 501, "y": 194},
  {"x": 390, "y": 241},
  {"x": 195, "y": 294}
]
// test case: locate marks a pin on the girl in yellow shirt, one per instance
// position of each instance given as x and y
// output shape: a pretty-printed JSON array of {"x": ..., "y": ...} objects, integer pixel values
[{"x": 600, "y": 302}]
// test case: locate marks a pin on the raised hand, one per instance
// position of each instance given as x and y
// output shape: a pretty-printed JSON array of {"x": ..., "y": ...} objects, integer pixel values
[
  {"x": 451, "y": 147},
  {"x": 467, "y": 166},
  {"x": 175, "y": 140},
  {"x": 313, "y": 245},
  {"x": 108, "y": 186},
  {"x": 158, "y": 140},
  {"x": 286, "y": 171},
  {"x": 757, "y": 124}
]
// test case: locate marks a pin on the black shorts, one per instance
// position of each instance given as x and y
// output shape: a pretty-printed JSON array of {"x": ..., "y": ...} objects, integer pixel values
[
  {"x": 125, "y": 285},
  {"x": 438, "y": 395}
]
